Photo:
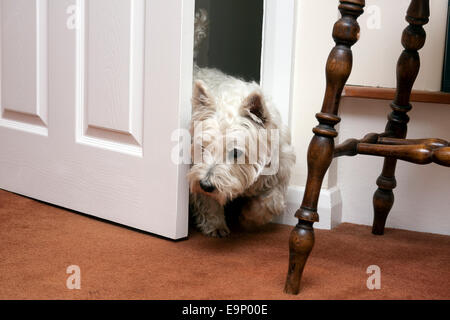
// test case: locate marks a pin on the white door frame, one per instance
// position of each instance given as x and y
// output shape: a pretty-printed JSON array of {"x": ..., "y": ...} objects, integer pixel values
[{"x": 277, "y": 56}]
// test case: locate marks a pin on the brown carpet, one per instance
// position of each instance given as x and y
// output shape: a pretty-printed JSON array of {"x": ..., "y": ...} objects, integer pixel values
[{"x": 38, "y": 242}]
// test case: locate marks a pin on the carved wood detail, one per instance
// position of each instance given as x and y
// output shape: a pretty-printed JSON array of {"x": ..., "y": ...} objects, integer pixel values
[
  {"x": 320, "y": 152},
  {"x": 391, "y": 144},
  {"x": 413, "y": 39}
]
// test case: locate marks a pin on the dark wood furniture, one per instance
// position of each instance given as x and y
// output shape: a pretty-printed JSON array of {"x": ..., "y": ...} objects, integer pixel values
[{"x": 391, "y": 144}]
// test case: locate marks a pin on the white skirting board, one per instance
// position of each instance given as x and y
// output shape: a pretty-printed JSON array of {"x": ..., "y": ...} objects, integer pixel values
[{"x": 329, "y": 209}]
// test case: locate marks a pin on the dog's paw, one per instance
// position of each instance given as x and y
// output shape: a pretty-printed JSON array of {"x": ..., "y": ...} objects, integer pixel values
[
  {"x": 255, "y": 214},
  {"x": 220, "y": 232}
]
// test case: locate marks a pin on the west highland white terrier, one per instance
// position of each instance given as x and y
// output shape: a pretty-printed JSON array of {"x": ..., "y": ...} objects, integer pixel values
[{"x": 240, "y": 148}]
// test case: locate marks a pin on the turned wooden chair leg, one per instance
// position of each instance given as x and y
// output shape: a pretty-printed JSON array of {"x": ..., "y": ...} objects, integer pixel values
[
  {"x": 301, "y": 243},
  {"x": 321, "y": 149},
  {"x": 408, "y": 66}
]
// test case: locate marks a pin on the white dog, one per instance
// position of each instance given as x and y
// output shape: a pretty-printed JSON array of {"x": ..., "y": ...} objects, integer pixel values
[{"x": 240, "y": 149}]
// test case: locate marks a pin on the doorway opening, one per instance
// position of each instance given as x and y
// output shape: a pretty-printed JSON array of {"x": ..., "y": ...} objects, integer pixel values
[{"x": 234, "y": 42}]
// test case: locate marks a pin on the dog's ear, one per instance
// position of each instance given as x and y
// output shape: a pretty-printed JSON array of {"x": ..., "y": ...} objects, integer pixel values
[
  {"x": 200, "y": 97},
  {"x": 254, "y": 107}
]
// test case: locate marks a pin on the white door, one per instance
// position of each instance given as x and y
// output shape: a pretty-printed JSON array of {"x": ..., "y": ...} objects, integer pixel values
[{"x": 91, "y": 91}]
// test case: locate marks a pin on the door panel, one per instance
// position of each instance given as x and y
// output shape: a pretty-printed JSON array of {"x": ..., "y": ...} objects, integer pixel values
[
  {"x": 24, "y": 65},
  {"x": 87, "y": 112},
  {"x": 110, "y": 68},
  {"x": 114, "y": 71}
]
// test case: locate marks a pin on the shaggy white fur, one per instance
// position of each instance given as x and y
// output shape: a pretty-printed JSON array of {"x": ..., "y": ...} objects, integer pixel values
[{"x": 240, "y": 150}]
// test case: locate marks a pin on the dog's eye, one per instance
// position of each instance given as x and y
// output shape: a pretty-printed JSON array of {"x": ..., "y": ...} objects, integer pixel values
[{"x": 235, "y": 153}]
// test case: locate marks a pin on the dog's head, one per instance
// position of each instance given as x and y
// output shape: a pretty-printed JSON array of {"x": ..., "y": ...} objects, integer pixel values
[{"x": 232, "y": 139}]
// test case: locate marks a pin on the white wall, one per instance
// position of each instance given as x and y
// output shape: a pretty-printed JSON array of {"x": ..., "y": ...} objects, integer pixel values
[
  {"x": 376, "y": 53},
  {"x": 422, "y": 197},
  {"x": 375, "y": 57}
]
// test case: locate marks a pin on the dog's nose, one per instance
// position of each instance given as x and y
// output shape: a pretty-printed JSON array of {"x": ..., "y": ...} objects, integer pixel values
[{"x": 207, "y": 186}]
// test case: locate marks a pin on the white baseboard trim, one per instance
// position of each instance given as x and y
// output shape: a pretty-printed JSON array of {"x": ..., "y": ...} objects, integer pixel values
[{"x": 330, "y": 208}]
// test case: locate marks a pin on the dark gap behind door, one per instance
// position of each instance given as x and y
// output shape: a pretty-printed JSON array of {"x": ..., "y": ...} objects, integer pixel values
[{"x": 235, "y": 39}]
